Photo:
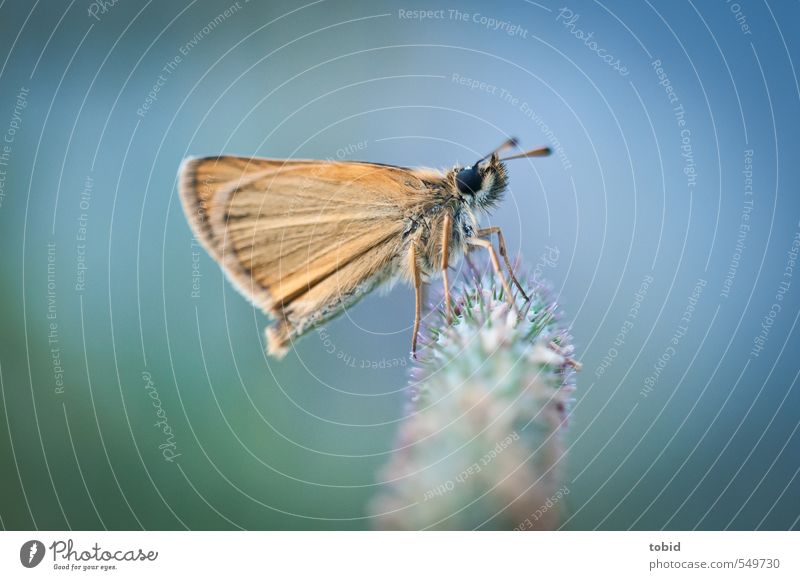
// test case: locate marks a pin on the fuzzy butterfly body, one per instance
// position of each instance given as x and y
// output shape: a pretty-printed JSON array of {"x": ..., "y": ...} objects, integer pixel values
[{"x": 303, "y": 239}]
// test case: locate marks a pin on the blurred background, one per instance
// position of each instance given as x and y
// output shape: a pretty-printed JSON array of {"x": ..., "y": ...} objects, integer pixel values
[{"x": 135, "y": 388}]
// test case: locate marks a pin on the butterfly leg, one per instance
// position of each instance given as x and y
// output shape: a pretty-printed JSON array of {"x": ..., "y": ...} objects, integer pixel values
[
  {"x": 447, "y": 232},
  {"x": 501, "y": 241},
  {"x": 412, "y": 255},
  {"x": 497, "y": 269}
]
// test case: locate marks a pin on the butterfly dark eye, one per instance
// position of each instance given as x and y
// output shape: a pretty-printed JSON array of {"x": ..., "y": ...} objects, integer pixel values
[{"x": 469, "y": 181}]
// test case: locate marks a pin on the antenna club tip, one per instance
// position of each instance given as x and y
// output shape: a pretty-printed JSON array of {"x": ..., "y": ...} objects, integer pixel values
[{"x": 538, "y": 152}]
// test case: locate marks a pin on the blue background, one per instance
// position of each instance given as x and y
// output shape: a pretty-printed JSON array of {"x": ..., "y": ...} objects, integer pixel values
[{"x": 297, "y": 443}]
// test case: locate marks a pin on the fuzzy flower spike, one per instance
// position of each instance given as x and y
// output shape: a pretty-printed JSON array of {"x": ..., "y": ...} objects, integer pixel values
[{"x": 481, "y": 446}]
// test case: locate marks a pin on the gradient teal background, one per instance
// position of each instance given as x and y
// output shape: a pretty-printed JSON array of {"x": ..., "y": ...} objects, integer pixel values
[{"x": 296, "y": 444}]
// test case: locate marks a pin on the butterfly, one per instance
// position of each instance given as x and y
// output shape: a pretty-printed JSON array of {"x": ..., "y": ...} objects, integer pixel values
[{"x": 304, "y": 239}]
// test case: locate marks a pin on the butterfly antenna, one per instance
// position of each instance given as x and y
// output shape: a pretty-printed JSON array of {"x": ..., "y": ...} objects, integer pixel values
[
  {"x": 538, "y": 152},
  {"x": 507, "y": 144}
]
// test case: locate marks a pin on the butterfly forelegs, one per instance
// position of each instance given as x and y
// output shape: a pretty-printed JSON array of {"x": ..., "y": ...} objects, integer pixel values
[
  {"x": 501, "y": 242},
  {"x": 497, "y": 269}
]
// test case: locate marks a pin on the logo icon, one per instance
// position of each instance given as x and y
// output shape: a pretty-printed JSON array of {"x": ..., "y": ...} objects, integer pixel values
[{"x": 31, "y": 553}]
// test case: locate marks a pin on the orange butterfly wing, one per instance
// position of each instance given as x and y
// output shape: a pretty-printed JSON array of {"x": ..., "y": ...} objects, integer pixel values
[{"x": 300, "y": 238}]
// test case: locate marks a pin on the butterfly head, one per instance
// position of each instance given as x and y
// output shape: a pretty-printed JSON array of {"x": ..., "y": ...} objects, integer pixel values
[{"x": 482, "y": 184}]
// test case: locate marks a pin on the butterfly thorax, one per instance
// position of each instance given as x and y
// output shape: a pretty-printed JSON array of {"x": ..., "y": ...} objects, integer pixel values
[{"x": 448, "y": 194}]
